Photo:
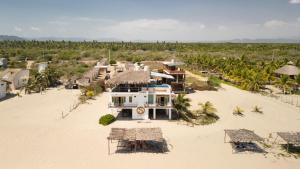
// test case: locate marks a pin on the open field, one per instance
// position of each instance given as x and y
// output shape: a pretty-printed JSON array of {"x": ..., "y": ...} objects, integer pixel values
[{"x": 33, "y": 134}]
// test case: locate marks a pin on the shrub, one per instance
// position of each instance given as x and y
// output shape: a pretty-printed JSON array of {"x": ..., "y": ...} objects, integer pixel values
[
  {"x": 214, "y": 81},
  {"x": 106, "y": 119},
  {"x": 238, "y": 111},
  {"x": 90, "y": 94},
  {"x": 112, "y": 62},
  {"x": 257, "y": 109}
]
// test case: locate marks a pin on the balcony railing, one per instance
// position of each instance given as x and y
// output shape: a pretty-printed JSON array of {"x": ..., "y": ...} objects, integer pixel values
[
  {"x": 122, "y": 105},
  {"x": 133, "y": 105}
]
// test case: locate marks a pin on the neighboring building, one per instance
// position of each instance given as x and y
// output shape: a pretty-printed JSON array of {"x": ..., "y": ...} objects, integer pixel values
[
  {"x": 16, "y": 78},
  {"x": 135, "y": 95},
  {"x": 290, "y": 70},
  {"x": 42, "y": 67},
  {"x": 171, "y": 68},
  {"x": 2, "y": 89},
  {"x": 3, "y": 63}
]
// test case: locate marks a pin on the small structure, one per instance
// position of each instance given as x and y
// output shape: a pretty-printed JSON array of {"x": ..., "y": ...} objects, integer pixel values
[
  {"x": 42, "y": 67},
  {"x": 289, "y": 138},
  {"x": 136, "y": 138},
  {"x": 72, "y": 83},
  {"x": 290, "y": 70},
  {"x": 135, "y": 95},
  {"x": 16, "y": 78},
  {"x": 171, "y": 68},
  {"x": 242, "y": 140},
  {"x": 3, "y": 88},
  {"x": 3, "y": 63}
]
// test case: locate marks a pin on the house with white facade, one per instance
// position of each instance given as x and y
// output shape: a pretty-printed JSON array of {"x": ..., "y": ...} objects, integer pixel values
[
  {"x": 16, "y": 78},
  {"x": 2, "y": 89},
  {"x": 135, "y": 95}
]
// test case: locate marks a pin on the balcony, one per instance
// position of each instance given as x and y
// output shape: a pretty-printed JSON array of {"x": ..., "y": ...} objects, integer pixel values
[
  {"x": 174, "y": 71},
  {"x": 122, "y": 105}
]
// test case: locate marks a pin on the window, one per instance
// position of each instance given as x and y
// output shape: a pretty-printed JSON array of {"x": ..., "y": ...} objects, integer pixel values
[
  {"x": 130, "y": 99},
  {"x": 150, "y": 99}
]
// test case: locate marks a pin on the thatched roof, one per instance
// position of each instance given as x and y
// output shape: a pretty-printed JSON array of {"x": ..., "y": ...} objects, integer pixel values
[
  {"x": 130, "y": 77},
  {"x": 243, "y": 135},
  {"x": 134, "y": 134},
  {"x": 293, "y": 138},
  {"x": 288, "y": 69}
]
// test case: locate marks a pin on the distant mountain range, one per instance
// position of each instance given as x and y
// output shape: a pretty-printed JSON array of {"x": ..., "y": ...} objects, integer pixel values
[
  {"x": 80, "y": 39},
  {"x": 12, "y": 38}
]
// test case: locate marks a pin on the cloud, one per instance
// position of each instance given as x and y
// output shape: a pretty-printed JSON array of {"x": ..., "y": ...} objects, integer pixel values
[
  {"x": 152, "y": 29},
  {"x": 222, "y": 28},
  {"x": 35, "y": 28},
  {"x": 18, "y": 29},
  {"x": 274, "y": 24},
  {"x": 294, "y": 1},
  {"x": 298, "y": 19},
  {"x": 57, "y": 22}
]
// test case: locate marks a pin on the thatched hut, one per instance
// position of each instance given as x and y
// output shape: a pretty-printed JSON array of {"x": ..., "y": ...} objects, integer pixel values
[
  {"x": 135, "y": 136},
  {"x": 290, "y": 138},
  {"x": 290, "y": 70},
  {"x": 130, "y": 78}
]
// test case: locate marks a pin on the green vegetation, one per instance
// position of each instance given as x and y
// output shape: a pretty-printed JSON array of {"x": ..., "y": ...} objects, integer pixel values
[
  {"x": 257, "y": 109},
  {"x": 214, "y": 81},
  {"x": 206, "y": 114},
  {"x": 197, "y": 84},
  {"x": 238, "y": 111},
  {"x": 181, "y": 104},
  {"x": 90, "y": 92},
  {"x": 107, "y": 119},
  {"x": 112, "y": 62},
  {"x": 39, "y": 82},
  {"x": 248, "y": 66}
]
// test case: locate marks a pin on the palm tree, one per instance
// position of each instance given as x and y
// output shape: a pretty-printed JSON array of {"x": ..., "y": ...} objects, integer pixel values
[
  {"x": 208, "y": 108},
  {"x": 284, "y": 82},
  {"x": 181, "y": 104}
]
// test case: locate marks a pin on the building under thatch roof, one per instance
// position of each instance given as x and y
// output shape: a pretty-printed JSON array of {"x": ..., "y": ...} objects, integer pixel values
[
  {"x": 136, "y": 136},
  {"x": 290, "y": 69},
  {"x": 130, "y": 77},
  {"x": 290, "y": 138},
  {"x": 242, "y": 135}
]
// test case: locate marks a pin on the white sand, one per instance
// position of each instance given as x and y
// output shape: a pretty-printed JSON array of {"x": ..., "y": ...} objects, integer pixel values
[{"x": 33, "y": 135}]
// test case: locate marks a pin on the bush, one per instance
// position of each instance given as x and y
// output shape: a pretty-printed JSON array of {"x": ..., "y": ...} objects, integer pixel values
[
  {"x": 112, "y": 62},
  {"x": 214, "y": 81},
  {"x": 106, "y": 119}
]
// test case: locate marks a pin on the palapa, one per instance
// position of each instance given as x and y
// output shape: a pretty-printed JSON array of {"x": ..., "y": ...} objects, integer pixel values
[
  {"x": 130, "y": 77},
  {"x": 290, "y": 138},
  {"x": 136, "y": 134},
  {"x": 289, "y": 70},
  {"x": 242, "y": 135}
]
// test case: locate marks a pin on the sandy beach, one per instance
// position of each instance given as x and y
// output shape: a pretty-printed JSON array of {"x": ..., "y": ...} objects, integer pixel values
[{"x": 34, "y": 135}]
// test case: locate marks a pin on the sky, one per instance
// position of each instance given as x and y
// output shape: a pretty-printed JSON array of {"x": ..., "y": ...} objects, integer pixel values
[{"x": 151, "y": 20}]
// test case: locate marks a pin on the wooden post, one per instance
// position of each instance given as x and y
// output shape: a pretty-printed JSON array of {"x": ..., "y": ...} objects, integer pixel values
[{"x": 108, "y": 146}]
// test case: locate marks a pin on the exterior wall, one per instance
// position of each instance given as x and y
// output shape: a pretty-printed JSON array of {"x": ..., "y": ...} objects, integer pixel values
[
  {"x": 2, "y": 89},
  {"x": 140, "y": 99},
  {"x": 42, "y": 67},
  {"x": 20, "y": 79},
  {"x": 3, "y": 62}
]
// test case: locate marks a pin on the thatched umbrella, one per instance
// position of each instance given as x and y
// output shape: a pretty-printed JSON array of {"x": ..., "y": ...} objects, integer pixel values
[{"x": 290, "y": 69}]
